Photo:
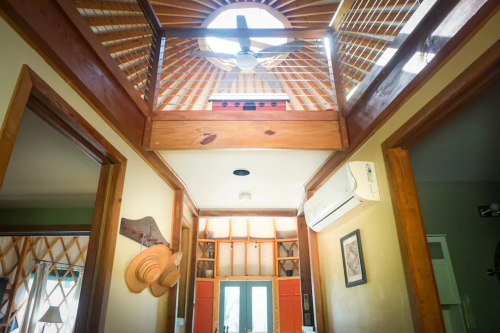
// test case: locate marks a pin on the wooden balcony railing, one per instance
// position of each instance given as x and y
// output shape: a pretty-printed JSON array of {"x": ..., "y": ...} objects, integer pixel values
[{"x": 131, "y": 34}]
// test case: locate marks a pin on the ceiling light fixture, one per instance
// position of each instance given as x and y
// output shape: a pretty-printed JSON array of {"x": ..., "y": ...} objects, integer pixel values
[{"x": 241, "y": 172}]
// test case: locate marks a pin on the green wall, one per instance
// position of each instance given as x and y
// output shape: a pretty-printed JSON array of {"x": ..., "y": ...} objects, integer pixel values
[
  {"x": 45, "y": 216},
  {"x": 451, "y": 208}
]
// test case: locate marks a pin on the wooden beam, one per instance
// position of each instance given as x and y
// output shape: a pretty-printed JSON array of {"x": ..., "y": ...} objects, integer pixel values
[
  {"x": 175, "y": 246},
  {"x": 245, "y": 115},
  {"x": 245, "y": 134},
  {"x": 149, "y": 12},
  {"x": 247, "y": 213},
  {"x": 46, "y": 230},
  {"x": 306, "y": 288},
  {"x": 236, "y": 33},
  {"x": 461, "y": 20},
  {"x": 191, "y": 283}
]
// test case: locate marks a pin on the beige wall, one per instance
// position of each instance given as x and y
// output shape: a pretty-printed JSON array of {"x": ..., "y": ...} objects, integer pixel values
[
  {"x": 382, "y": 304},
  {"x": 144, "y": 193}
]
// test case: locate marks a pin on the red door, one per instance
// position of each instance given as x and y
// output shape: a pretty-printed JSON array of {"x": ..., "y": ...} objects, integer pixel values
[
  {"x": 204, "y": 305},
  {"x": 290, "y": 306}
]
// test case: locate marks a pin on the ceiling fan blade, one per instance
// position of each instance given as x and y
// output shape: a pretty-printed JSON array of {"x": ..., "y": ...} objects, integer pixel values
[
  {"x": 272, "y": 51},
  {"x": 268, "y": 77},
  {"x": 209, "y": 54},
  {"x": 229, "y": 78},
  {"x": 241, "y": 23}
]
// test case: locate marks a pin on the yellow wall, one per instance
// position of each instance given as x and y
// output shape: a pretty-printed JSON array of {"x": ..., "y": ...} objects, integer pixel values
[
  {"x": 382, "y": 304},
  {"x": 144, "y": 193}
]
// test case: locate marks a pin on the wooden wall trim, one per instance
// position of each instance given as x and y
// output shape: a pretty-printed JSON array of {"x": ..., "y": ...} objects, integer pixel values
[
  {"x": 46, "y": 230},
  {"x": 464, "y": 18},
  {"x": 191, "y": 284},
  {"x": 214, "y": 213},
  {"x": 245, "y": 116},
  {"x": 175, "y": 246},
  {"x": 424, "y": 300},
  {"x": 306, "y": 288}
]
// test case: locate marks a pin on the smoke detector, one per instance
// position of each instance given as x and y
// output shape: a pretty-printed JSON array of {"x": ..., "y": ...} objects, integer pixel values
[{"x": 245, "y": 197}]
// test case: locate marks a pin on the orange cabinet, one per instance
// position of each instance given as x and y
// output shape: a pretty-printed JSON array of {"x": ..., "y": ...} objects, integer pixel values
[
  {"x": 290, "y": 306},
  {"x": 204, "y": 305}
]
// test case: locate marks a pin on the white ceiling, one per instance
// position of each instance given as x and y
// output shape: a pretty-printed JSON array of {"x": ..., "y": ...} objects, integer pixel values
[
  {"x": 466, "y": 147},
  {"x": 276, "y": 180},
  {"x": 47, "y": 170}
]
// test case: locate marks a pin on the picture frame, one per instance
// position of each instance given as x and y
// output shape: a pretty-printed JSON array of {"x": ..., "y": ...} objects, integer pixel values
[{"x": 353, "y": 260}]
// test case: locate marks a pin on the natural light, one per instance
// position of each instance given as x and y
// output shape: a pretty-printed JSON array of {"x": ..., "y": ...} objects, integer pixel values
[{"x": 256, "y": 19}]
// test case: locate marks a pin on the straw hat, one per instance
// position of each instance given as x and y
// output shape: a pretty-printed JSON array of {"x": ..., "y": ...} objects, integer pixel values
[
  {"x": 169, "y": 277},
  {"x": 147, "y": 267}
]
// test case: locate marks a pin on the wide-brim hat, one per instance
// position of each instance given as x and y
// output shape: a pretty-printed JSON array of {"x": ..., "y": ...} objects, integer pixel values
[
  {"x": 147, "y": 267},
  {"x": 169, "y": 277}
]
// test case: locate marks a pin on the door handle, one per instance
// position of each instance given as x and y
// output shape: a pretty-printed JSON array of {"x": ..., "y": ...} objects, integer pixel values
[{"x": 249, "y": 330}]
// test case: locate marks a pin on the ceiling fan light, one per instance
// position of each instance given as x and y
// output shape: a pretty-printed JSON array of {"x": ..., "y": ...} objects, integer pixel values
[{"x": 246, "y": 62}]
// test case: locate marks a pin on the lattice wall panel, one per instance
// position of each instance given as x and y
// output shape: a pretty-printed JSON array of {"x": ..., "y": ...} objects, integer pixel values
[{"x": 64, "y": 250}]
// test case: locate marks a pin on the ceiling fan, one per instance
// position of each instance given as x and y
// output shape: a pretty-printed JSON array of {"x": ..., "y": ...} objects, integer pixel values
[{"x": 246, "y": 59}]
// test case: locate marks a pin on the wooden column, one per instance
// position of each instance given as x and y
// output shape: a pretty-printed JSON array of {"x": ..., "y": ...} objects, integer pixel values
[
  {"x": 316, "y": 281},
  {"x": 156, "y": 62},
  {"x": 191, "y": 283},
  {"x": 306, "y": 288},
  {"x": 175, "y": 246}
]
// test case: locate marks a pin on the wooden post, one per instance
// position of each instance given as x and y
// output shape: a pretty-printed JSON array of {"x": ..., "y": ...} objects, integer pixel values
[
  {"x": 175, "y": 246},
  {"x": 156, "y": 63},
  {"x": 305, "y": 273},
  {"x": 191, "y": 283}
]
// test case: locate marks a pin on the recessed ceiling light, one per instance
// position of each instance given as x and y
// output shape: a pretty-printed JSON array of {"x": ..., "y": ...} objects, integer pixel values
[{"x": 241, "y": 172}]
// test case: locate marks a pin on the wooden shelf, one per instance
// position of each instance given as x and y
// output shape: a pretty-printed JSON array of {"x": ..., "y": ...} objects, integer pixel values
[
  {"x": 206, "y": 240},
  {"x": 205, "y": 259},
  {"x": 205, "y": 279},
  {"x": 288, "y": 258},
  {"x": 288, "y": 278},
  {"x": 287, "y": 240}
]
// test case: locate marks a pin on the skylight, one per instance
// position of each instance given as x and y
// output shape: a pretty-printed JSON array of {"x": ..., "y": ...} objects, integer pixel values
[{"x": 256, "y": 19}]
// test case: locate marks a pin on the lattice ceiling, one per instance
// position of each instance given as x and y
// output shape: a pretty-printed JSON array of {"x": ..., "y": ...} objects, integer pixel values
[{"x": 188, "y": 81}]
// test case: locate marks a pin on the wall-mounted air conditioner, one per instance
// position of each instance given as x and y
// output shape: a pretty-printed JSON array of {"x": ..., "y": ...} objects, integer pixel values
[{"x": 351, "y": 189}]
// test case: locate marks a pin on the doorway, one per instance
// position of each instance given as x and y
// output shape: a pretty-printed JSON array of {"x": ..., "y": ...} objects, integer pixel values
[
  {"x": 421, "y": 209},
  {"x": 246, "y": 306},
  {"x": 37, "y": 103}
]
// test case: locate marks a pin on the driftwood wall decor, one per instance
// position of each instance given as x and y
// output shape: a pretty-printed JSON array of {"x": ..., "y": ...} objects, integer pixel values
[{"x": 144, "y": 231}]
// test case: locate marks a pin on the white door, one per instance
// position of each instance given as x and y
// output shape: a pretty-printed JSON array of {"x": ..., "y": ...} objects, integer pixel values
[{"x": 449, "y": 296}]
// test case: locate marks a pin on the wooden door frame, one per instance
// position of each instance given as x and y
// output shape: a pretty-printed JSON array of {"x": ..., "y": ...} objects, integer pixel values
[
  {"x": 422, "y": 290},
  {"x": 35, "y": 94}
]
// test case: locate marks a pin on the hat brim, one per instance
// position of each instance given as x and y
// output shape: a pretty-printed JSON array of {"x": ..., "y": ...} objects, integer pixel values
[
  {"x": 134, "y": 284},
  {"x": 170, "y": 280}
]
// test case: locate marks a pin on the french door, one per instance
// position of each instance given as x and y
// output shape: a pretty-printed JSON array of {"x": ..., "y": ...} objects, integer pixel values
[{"x": 246, "y": 306}]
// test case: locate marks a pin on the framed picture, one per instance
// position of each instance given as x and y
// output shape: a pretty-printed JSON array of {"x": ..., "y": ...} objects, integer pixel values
[{"x": 352, "y": 257}]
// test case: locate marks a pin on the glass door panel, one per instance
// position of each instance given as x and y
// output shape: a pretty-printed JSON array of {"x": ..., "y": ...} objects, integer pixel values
[
  {"x": 245, "y": 307},
  {"x": 232, "y": 317},
  {"x": 259, "y": 307}
]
